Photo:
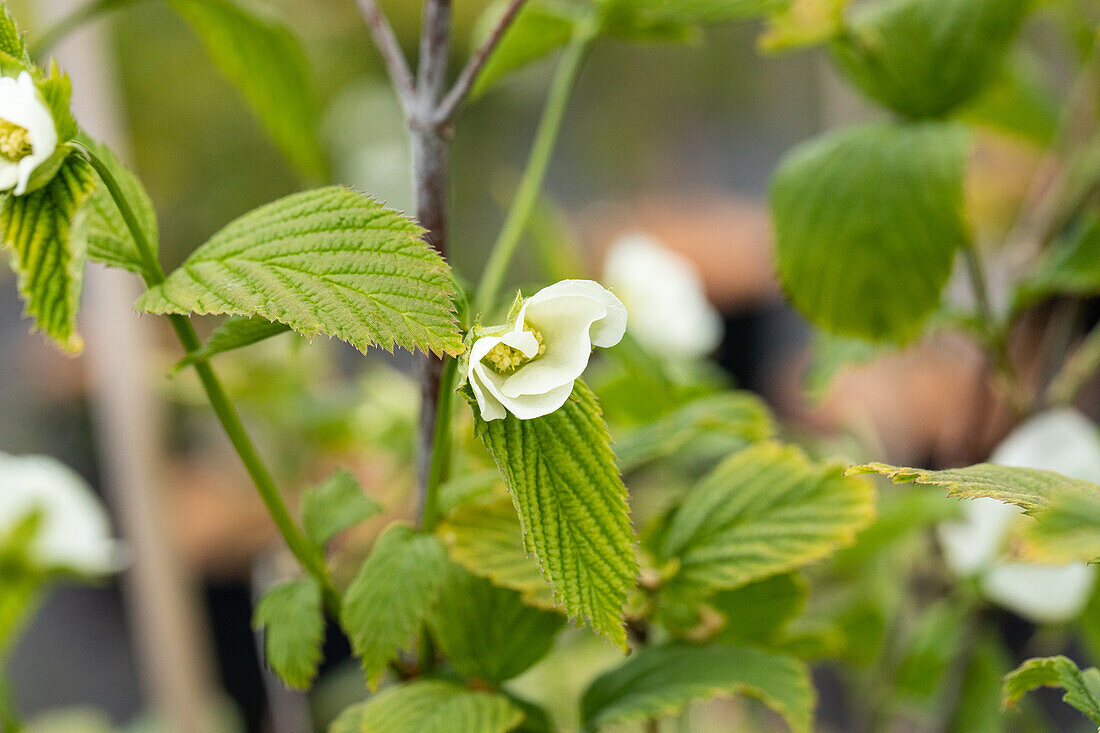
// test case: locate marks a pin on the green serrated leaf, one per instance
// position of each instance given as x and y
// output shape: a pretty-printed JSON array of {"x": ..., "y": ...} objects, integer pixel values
[
  {"x": 924, "y": 58},
  {"x": 1067, "y": 530},
  {"x": 335, "y": 505},
  {"x": 487, "y": 540},
  {"x": 430, "y": 706},
  {"x": 57, "y": 91},
  {"x": 1030, "y": 488},
  {"x": 487, "y": 633},
  {"x": 101, "y": 223},
  {"x": 857, "y": 212},
  {"x": 661, "y": 680},
  {"x": 11, "y": 40},
  {"x": 266, "y": 62},
  {"x": 387, "y": 602},
  {"x": 48, "y": 260},
  {"x": 739, "y": 415},
  {"x": 236, "y": 333},
  {"x": 1018, "y": 101},
  {"x": 571, "y": 502},
  {"x": 539, "y": 29},
  {"x": 292, "y": 617},
  {"x": 1082, "y": 686},
  {"x": 763, "y": 511},
  {"x": 324, "y": 261}
]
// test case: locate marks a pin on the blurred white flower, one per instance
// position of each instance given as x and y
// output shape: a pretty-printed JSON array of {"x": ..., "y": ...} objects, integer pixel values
[
  {"x": 28, "y": 134},
  {"x": 528, "y": 367},
  {"x": 74, "y": 532},
  {"x": 669, "y": 311},
  {"x": 1058, "y": 440}
]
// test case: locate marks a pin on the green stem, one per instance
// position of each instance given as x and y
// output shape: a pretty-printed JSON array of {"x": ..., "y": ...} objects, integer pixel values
[
  {"x": 996, "y": 333},
  {"x": 441, "y": 443},
  {"x": 1077, "y": 370},
  {"x": 537, "y": 163},
  {"x": 9, "y": 715},
  {"x": 53, "y": 35},
  {"x": 309, "y": 557}
]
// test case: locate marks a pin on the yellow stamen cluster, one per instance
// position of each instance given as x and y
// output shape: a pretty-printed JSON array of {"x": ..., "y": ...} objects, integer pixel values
[
  {"x": 15, "y": 141},
  {"x": 505, "y": 359}
]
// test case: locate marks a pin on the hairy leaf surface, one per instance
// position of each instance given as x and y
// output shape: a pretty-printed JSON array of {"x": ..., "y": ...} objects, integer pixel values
[
  {"x": 739, "y": 415},
  {"x": 265, "y": 61},
  {"x": 487, "y": 540},
  {"x": 292, "y": 617},
  {"x": 661, "y": 680},
  {"x": 387, "y": 602},
  {"x": 430, "y": 706},
  {"x": 763, "y": 511},
  {"x": 871, "y": 215},
  {"x": 1030, "y": 488},
  {"x": 335, "y": 505},
  {"x": 571, "y": 502},
  {"x": 1082, "y": 686},
  {"x": 324, "y": 261},
  {"x": 46, "y": 256},
  {"x": 486, "y": 632}
]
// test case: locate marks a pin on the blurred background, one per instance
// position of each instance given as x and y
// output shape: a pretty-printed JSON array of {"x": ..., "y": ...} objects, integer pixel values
[{"x": 673, "y": 141}]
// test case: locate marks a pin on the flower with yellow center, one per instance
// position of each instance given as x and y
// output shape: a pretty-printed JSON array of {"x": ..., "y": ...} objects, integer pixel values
[
  {"x": 528, "y": 367},
  {"x": 28, "y": 134}
]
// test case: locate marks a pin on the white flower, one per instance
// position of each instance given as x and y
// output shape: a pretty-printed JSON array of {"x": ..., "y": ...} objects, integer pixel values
[
  {"x": 1059, "y": 440},
  {"x": 74, "y": 531},
  {"x": 669, "y": 310},
  {"x": 528, "y": 367},
  {"x": 28, "y": 134}
]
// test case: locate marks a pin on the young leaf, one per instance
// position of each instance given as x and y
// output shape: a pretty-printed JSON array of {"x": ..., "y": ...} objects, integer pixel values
[
  {"x": 11, "y": 40},
  {"x": 487, "y": 540},
  {"x": 1030, "y": 488},
  {"x": 48, "y": 259},
  {"x": 430, "y": 705},
  {"x": 1082, "y": 686},
  {"x": 538, "y": 30},
  {"x": 488, "y": 633},
  {"x": 292, "y": 617},
  {"x": 324, "y": 261},
  {"x": 923, "y": 58},
  {"x": 871, "y": 214},
  {"x": 661, "y": 680},
  {"x": 101, "y": 223},
  {"x": 386, "y": 604},
  {"x": 572, "y": 504},
  {"x": 763, "y": 511},
  {"x": 267, "y": 64},
  {"x": 802, "y": 23},
  {"x": 739, "y": 415},
  {"x": 335, "y": 505},
  {"x": 236, "y": 333}
]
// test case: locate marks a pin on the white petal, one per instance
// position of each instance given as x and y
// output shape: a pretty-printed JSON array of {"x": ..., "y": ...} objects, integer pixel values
[
  {"x": 9, "y": 174},
  {"x": 974, "y": 542},
  {"x": 608, "y": 330},
  {"x": 565, "y": 322},
  {"x": 669, "y": 310},
  {"x": 1060, "y": 440},
  {"x": 1041, "y": 593},
  {"x": 523, "y": 341},
  {"x": 476, "y": 375},
  {"x": 75, "y": 530}
]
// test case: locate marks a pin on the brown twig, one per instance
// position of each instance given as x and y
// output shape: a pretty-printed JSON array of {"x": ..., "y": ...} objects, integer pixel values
[
  {"x": 392, "y": 56},
  {"x": 465, "y": 82}
]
